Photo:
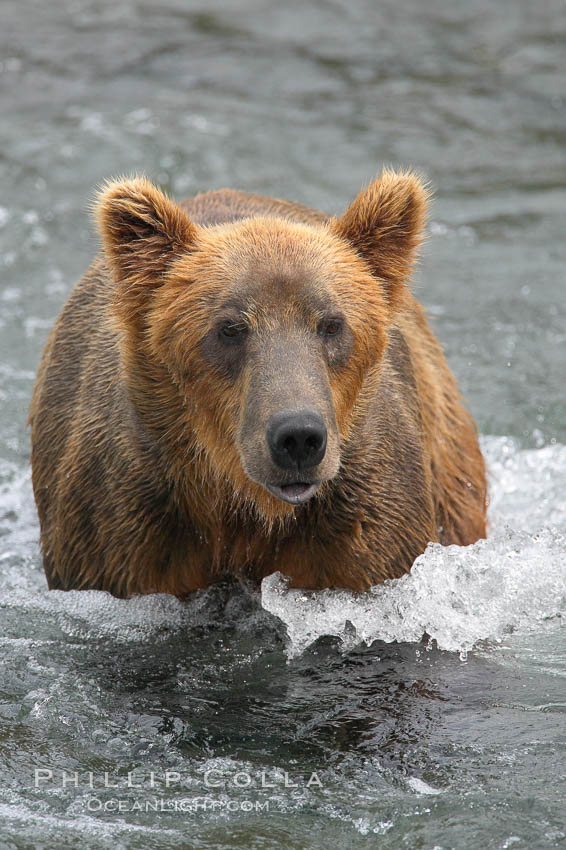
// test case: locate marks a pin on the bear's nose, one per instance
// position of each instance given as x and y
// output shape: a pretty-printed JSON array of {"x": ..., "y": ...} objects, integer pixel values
[{"x": 296, "y": 440}]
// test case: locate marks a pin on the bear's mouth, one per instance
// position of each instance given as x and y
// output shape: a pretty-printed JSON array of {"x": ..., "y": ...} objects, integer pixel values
[{"x": 295, "y": 493}]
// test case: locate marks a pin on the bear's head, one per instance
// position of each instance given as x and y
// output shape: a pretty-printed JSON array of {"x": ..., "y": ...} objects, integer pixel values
[{"x": 250, "y": 346}]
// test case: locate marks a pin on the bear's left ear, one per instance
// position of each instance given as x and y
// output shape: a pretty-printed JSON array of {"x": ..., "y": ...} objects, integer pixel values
[
  {"x": 385, "y": 225},
  {"x": 142, "y": 230}
]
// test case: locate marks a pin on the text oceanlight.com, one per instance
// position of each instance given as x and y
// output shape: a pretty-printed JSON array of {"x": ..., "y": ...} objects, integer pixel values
[{"x": 185, "y": 805}]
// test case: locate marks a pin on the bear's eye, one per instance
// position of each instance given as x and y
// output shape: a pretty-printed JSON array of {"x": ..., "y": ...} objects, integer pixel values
[
  {"x": 233, "y": 331},
  {"x": 332, "y": 327}
]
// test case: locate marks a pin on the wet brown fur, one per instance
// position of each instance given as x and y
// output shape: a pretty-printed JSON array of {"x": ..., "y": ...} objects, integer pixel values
[{"x": 137, "y": 465}]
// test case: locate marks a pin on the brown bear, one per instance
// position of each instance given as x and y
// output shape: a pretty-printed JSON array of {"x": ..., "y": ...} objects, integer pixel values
[{"x": 240, "y": 385}]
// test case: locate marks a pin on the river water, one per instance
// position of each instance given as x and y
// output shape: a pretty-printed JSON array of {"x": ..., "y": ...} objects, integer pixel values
[{"x": 431, "y": 712}]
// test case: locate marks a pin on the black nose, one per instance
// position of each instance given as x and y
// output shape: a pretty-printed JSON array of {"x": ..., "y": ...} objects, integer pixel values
[{"x": 296, "y": 440}]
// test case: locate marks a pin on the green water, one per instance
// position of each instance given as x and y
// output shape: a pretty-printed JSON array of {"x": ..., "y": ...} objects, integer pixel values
[{"x": 457, "y": 741}]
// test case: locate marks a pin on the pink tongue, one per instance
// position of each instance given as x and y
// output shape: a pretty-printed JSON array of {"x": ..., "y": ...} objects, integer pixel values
[{"x": 294, "y": 489}]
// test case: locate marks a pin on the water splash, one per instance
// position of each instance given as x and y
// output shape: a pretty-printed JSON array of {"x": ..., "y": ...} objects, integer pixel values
[{"x": 457, "y": 596}]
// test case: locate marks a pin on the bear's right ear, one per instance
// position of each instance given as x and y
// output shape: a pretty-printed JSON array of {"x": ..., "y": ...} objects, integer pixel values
[{"x": 142, "y": 230}]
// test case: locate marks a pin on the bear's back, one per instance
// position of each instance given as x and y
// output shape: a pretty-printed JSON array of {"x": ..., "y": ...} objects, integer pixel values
[{"x": 225, "y": 205}]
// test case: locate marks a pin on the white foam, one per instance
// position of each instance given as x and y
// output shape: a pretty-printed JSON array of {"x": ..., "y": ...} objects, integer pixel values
[
  {"x": 421, "y": 787},
  {"x": 528, "y": 487}
]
